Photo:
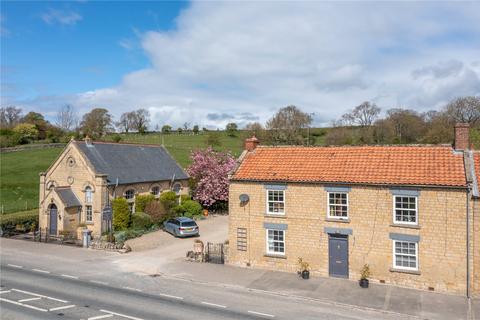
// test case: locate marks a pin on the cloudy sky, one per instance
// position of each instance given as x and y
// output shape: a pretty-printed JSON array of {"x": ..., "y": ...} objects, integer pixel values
[{"x": 210, "y": 63}]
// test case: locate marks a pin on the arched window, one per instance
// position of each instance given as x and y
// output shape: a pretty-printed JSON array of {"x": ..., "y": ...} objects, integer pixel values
[
  {"x": 88, "y": 194},
  {"x": 177, "y": 187},
  {"x": 50, "y": 185},
  {"x": 130, "y": 194},
  {"x": 155, "y": 191}
]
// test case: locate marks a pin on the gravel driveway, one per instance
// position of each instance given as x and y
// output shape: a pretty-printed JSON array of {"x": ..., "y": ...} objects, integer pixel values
[{"x": 153, "y": 252}]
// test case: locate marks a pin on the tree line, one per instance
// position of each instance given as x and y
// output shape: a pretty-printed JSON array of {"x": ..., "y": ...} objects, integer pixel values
[{"x": 364, "y": 124}]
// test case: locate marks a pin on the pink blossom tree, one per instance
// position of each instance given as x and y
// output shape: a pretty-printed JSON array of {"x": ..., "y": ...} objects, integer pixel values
[{"x": 209, "y": 171}]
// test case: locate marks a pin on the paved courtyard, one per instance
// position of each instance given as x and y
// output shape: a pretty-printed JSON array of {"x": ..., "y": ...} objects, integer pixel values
[{"x": 153, "y": 252}]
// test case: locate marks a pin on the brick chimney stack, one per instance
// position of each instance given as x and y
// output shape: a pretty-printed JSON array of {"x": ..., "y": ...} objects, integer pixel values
[
  {"x": 251, "y": 143},
  {"x": 462, "y": 136}
]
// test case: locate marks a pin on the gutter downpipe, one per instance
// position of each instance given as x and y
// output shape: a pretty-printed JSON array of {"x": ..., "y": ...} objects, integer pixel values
[{"x": 468, "y": 242}]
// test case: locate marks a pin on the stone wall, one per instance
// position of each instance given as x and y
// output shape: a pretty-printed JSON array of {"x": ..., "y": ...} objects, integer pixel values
[
  {"x": 476, "y": 248},
  {"x": 441, "y": 227}
]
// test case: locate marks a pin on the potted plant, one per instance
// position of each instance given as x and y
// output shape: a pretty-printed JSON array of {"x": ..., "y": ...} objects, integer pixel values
[
  {"x": 304, "y": 269},
  {"x": 364, "y": 274}
]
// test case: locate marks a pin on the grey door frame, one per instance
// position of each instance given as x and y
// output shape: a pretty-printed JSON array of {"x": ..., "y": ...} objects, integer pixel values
[
  {"x": 50, "y": 210},
  {"x": 338, "y": 237}
]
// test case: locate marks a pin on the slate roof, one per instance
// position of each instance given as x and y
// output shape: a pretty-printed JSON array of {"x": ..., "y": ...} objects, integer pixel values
[
  {"x": 390, "y": 165},
  {"x": 67, "y": 196},
  {"x": 131, "y": 163}
]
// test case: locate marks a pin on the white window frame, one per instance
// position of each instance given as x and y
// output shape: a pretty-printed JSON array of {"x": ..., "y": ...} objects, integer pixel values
[
  {"x": 395, "y": 208},
  {"x": 86, "y": 213},
  {"x": 403, "y": 254},
  {"x": 284, "y": 243},
  {"x": 88, "y": 194},
  {"x": 328, "y": 206},
  {"x": 267, "y": 209}
]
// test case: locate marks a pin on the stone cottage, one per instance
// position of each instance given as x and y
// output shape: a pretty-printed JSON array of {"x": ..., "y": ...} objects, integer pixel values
[
  {"x": 87, "y": 175},
  {"x": 410, "y": 212}
]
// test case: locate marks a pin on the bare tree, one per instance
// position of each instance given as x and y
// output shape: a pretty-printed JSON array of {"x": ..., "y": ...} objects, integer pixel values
[
  {"x": 363, "y": 115},
  {"x": 127, "y": 121},
  {"x": 464, "y": 109},
  {"x": 10, "y": 116},
  {"x": 141, "y": 120},
  {"x": 286, "y": 126},
  {"x": 66, "y": 118}
]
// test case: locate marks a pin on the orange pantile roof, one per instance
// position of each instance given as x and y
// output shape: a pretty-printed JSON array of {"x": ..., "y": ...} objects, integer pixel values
[
  {"x": 392, "y": 165},
  {"x": 476, "y": 164}
]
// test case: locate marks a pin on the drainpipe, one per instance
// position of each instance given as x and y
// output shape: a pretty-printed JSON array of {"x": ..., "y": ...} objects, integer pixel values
[{"x": 468, "y": 242}]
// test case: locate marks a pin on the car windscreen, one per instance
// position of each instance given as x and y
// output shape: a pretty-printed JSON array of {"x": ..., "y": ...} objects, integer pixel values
[{"x": 189, "y": 224}]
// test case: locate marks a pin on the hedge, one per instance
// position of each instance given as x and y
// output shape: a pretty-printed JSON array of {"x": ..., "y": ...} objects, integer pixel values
[
  {"x": 142, "y": 200},
  {"x": 25, "y": 218},
  {"x": 141, "y": 221},
  {"x": 121, "y": 214}
]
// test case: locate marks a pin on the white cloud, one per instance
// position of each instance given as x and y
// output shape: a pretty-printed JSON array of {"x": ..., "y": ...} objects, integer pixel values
[
  {"x": 63, "y": 17},
  {"x": 231, "y": 58}
]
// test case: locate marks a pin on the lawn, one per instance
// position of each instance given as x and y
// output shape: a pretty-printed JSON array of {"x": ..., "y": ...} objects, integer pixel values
[
  {"x": 19, "y": 177},
  {"x": 181, "y": 145},
  {"x": 19, "y": 170}
]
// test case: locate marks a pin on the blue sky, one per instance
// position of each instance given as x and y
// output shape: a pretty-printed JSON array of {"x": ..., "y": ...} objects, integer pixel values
[
  {"x": 214, "y": 62},
  {"x": 46, "y": 55}
]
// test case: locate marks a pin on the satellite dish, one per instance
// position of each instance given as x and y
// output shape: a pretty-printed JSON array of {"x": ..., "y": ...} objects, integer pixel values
[{"x": 244, "y": 198}]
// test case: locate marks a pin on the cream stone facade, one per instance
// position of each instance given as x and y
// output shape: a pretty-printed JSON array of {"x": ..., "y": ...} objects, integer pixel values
[
  {"x": 441, "y": 231},
  {"x": 73, "y": 193},
  {"x": 411, "y": 213}
]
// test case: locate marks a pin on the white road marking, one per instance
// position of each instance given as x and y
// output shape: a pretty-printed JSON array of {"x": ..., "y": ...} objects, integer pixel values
[
  {"x": 40, "y": 270},
  {"x": 262, "y": 314},
  {"x": 6, "y": 291},
  {"x": 23, "y": 305},
  {"x": 170, "y": 296},
  {"x": 40, "y": 295},
  {"x": 30, "y": 299},
  {"x": 69, "y": 276},
  {"x": 99, "y": 282},
  {"x": 213, "y": 304},
  {"x": 121, "y": 315},
  {"x": 15, "y": 266},
  {"x": 62, "y": 307},
  {"x": 133, "y": 289},
  {"x": 101, "y": 317}
]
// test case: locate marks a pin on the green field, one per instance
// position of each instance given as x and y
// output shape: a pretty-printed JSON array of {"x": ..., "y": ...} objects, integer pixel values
[
  {"x": 19, "y": 177},
  {"x": 181, "y": 145},
  {"x": 19, "y": 170}
]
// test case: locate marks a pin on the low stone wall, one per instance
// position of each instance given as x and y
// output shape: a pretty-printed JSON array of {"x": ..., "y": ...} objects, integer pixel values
[{"x": 32, "y": 147}]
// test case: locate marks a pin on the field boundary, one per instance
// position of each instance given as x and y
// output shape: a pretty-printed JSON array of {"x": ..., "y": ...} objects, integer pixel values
[{"x": 32, "y": 147}]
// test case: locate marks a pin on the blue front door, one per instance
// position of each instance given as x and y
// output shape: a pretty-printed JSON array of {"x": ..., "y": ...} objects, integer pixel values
[
  {"x": 53, "y": 220},
  {"x": 338, "y": 255}
]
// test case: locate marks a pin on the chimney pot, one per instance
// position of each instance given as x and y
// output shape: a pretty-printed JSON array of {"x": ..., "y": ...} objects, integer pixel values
[
  {"x": 251, "y": 143},
  {"x": 462, "y": 136}
]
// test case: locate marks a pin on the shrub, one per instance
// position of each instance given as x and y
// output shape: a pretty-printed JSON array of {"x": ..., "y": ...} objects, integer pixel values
[
  {"x": 26, "y": 131},
  {"x": 142, "y": 200},
  {"x": 116, "y": 138},
  {"x": 157, "y": 212},
  {"x": 191, "y": 208},
  {"x": 168, "y": 199},
  {"x": 121, "y": 214},
  {"x": 141, "y": 221},
  {"x": 185, "y": 197},
  {"x": 27, "y": 219}
]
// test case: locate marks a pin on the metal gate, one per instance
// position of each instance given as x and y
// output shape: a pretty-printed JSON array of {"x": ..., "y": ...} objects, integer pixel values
[{"x": 214, "y": 253}]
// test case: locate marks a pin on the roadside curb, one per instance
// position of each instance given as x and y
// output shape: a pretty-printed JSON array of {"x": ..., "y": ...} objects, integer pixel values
[{"x": 287, "y": 295}]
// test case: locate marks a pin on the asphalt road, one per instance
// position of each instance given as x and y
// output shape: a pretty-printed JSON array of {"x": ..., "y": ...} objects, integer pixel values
[{"x": 42, "y": 281}]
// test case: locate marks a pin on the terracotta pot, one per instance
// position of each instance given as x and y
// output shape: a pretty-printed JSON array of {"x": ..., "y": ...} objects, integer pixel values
[{"x": 205, "y": 212}]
